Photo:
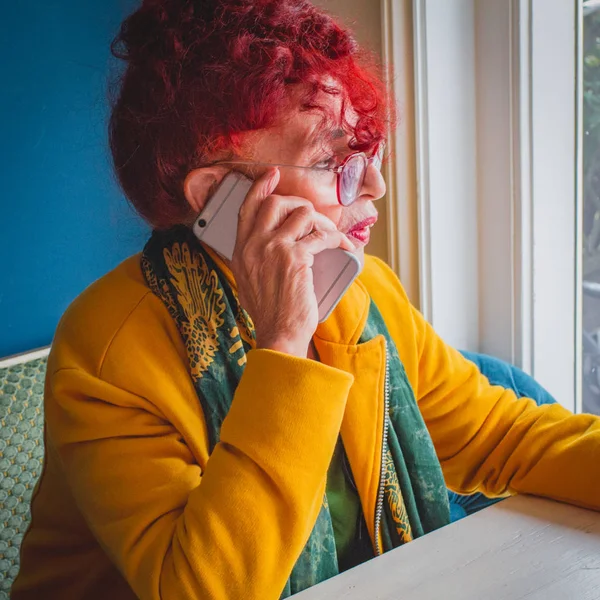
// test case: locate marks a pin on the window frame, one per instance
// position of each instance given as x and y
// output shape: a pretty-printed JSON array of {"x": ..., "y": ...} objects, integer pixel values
[{"x": 498, "y": 248}]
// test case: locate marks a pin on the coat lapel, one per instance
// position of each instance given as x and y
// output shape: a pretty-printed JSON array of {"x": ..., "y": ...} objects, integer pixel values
[{"x": 336, "y": 341}]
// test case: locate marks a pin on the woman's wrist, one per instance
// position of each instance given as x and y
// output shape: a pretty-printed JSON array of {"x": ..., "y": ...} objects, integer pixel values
[{"x": 294, "y": 348}]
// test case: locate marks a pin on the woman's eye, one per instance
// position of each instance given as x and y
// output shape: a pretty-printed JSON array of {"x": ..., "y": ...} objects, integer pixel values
[{"x": 326, "y": 163}]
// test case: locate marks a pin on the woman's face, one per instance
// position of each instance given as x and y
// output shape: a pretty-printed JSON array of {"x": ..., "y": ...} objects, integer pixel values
[{"x": 300, "y": 140}]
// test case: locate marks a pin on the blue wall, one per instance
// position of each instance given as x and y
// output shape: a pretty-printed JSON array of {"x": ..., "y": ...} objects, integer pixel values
[{"x": 64, "y": 222}]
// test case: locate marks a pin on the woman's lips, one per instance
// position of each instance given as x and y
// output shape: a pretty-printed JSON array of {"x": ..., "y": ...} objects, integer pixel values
[
  {"x": 361, "y": 235},
  {"x": 361, "y": 232}
]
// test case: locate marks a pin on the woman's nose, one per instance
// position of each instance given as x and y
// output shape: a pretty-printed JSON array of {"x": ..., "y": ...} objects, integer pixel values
[{"x": 373, "y": 186}]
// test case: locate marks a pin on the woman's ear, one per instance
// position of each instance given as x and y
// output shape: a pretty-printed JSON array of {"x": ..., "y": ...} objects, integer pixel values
[{"x": 200, "y": 185}]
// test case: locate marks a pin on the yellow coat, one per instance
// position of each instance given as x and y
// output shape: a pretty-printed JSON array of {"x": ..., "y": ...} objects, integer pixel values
[{"x": 130, "y": 504}]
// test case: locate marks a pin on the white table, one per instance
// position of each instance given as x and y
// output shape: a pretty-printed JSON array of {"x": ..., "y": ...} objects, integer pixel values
[{"x": 522, "y": 548}]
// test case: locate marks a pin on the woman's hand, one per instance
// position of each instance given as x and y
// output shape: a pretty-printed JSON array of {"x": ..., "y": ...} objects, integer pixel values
[{"x": 277, "y": 239}]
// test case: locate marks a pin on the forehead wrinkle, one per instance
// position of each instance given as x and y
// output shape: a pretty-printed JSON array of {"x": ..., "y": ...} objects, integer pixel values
[{"x": 317, "y": 138}]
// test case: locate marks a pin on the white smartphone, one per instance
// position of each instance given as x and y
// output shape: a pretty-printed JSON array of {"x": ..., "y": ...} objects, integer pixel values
[{"x": 333, "y": 270}]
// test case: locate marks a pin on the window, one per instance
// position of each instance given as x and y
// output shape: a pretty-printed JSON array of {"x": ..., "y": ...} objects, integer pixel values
[
  {"x": 590, "y": 178},
  {"x": 497, "y": 121}
]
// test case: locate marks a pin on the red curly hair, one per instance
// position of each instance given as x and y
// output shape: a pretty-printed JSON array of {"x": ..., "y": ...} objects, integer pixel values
[{"x": 201, "y": 73}]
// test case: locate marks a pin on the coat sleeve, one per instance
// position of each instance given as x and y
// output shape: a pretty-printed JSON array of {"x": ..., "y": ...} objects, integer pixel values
[
  {"x": 488, "y": 440},
  {"x": 231, "y": 528}
]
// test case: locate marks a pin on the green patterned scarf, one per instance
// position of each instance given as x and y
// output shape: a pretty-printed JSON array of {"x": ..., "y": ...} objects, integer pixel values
[{"x": 218, "y": 333}]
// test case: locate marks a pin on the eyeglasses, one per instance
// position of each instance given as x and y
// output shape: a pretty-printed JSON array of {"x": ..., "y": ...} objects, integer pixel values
[{"x": 350, "y": 173}]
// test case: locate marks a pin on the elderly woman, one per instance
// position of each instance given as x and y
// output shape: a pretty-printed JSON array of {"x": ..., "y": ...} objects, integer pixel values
[{"x": 206, "y": 436}]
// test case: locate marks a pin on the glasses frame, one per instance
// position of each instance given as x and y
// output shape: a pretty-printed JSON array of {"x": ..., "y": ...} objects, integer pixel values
[{"x": 376, "y": 159}]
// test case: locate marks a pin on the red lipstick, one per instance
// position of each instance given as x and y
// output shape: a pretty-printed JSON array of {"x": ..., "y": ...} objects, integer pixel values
[{"x": 361, "y": 231}]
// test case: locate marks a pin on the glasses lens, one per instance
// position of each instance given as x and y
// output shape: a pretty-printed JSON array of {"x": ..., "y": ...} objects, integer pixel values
[{"x": 352, "y": 178}]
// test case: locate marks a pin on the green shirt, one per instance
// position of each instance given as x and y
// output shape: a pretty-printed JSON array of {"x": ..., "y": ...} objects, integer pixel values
[{"x": 352, "y": 541}]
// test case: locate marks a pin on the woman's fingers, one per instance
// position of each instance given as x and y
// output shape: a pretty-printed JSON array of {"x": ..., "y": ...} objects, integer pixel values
[
  {"x": 320, "y": 240},
  {"x": 302, "y": 221},
  {"x": 278, "y": 237},
  {"x": 261, "y": 189},
  {"x": 275, "y": 209},
  {"x": 314, "y": 231},
  {"x": 288, "y": 218}
]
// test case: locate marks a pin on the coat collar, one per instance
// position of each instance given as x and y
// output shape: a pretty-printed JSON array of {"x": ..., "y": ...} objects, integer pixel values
[{"x": 347, "y": 321}]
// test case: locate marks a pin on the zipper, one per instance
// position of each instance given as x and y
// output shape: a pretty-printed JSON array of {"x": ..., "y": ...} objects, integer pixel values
[{"x": 380, "y": 492}]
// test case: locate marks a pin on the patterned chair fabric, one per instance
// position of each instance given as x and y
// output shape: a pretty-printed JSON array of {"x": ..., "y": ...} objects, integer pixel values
[{"x": 21, "y": 458}]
